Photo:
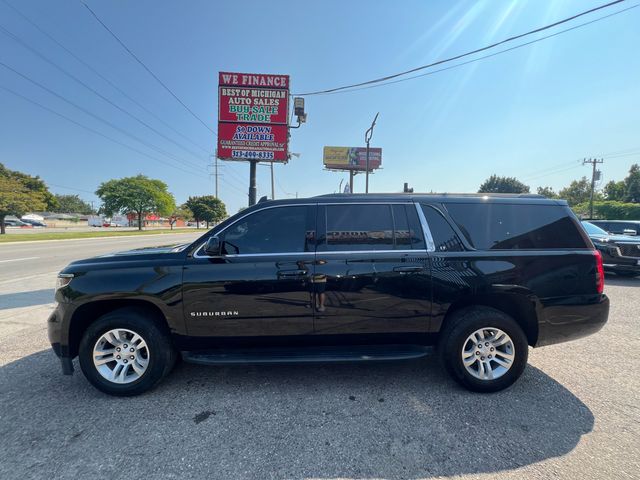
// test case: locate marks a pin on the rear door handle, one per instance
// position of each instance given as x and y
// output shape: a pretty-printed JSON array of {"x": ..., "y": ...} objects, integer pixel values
[
  {"x": 292, "y": 273},
  {"x": 407, "y": 269}
]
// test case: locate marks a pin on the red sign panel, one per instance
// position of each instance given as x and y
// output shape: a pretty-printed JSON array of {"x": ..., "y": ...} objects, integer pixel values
[
  {"x": 257, "y": 80},
  {"x": 253, "y": 116},
  {"x": 246, "y": 141},
  {"x": 255, "y": 105}
]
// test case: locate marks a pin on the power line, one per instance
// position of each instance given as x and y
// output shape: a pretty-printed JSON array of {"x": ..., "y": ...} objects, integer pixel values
[
  {"x": 115, "y": 127},
  {"x": 98, "y": 94},
  {"x": 95, "y": 131},
  {"x": 451, "y": 67},
  {"x": 456, "y": 57},
  {"x": 97, "y": 73},
  {"x": 133, "y": 55}
]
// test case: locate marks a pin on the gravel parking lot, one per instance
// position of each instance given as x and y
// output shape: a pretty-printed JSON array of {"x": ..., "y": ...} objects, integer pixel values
[{"x": 573, "y": 414}]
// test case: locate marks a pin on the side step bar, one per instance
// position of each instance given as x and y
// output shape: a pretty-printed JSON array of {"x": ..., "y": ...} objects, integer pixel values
[{"x": 352, "y": 353}]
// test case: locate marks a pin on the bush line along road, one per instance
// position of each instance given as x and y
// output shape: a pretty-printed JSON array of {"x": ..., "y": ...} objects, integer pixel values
[{"x": 572, "y": 415}]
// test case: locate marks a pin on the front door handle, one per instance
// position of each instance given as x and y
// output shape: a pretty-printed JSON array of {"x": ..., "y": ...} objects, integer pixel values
[
  {"x": 408, "y": 269},
  {"x": 292, "y": 273}
]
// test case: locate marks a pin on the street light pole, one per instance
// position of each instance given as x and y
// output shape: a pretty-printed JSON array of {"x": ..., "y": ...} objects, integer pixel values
[{"x": 367, "y": 138}]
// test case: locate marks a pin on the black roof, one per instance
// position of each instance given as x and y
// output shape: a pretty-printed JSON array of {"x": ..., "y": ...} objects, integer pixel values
[{"x": 524, "y": 198}]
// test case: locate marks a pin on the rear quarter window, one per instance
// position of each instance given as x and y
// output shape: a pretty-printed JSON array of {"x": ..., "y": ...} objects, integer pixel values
[{"x": 501, "y": 226}]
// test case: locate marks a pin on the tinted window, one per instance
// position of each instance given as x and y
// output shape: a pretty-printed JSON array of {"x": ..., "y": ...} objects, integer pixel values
[
  {"x": 444, "y": 237},
  {"x": 359, "y": 227},
  {"x": 502, "y": 226},
  {"x": 274, "y": 230},
  {"x": 413, "y": 238}
]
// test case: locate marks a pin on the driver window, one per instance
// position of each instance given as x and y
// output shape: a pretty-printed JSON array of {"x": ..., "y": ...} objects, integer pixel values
[{"x": 273, "y": 230}]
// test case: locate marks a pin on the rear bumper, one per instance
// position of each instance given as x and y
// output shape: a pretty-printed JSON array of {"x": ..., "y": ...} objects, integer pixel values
[{"x": 562, "y": 323}]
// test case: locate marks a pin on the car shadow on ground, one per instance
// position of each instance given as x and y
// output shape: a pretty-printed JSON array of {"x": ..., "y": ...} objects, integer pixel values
[
  {"x": 26, "y": 299},
  {"x": 620, "y": 281},
  {"x": 384, "y": 420}
]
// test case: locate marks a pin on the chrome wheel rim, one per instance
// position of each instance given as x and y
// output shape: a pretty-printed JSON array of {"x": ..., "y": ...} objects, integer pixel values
[
  {"x": 121, "y": 356},
  {"x": 488, "y": 353}
]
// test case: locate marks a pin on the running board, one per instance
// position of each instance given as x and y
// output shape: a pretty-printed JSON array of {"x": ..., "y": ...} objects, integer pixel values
[{"x": 357, "y": 353}]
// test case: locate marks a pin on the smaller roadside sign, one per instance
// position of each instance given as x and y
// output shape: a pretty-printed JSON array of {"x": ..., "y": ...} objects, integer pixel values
[{"x": 351, "y": 158}]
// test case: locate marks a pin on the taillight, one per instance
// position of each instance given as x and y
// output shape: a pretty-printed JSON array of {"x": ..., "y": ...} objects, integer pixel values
[{"x": 599, "y": 271}]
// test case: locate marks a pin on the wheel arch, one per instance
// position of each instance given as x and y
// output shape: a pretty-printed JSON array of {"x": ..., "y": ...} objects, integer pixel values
[
  {"x": 522, "y": 308},
  {"x": 88, "y": 313}
]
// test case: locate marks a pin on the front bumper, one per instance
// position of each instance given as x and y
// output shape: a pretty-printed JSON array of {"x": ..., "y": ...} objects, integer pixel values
[
  {"x": 59, "y": 339},
  {"x": 613, "y": 262},
  {"x": 563, "y": 322}
]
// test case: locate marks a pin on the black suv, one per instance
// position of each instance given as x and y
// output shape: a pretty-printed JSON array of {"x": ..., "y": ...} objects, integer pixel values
[
  {"x": 620, "y": 253},
  {"x": 619, "y": 227},
  {"x": 339, "y": 278}
]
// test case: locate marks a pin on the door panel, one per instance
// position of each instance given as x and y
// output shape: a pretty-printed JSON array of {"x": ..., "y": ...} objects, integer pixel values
[
  {"x": 374, "y": 293},
  {"x": 375, "y": 268},
  {"x": 259, "y": 284},
  {"x": 248, "y": 296}
]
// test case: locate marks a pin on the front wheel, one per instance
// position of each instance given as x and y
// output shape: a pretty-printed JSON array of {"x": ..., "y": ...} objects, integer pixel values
[
  {"x": 125, "y": 352},
  {"x": 483, "y": 349}
]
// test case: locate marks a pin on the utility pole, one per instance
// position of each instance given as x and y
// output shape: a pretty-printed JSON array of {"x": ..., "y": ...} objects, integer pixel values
[
  {"x": 273, "y": 188},
  {"x": 593, "y": 162},
  {"x": 367, "y": 138},
  {"x": 252, "y": 182},
  {"x": 215, "y": 171}
]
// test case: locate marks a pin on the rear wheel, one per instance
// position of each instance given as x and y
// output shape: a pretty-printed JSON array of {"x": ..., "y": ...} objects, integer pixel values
[
  {"x": 483, "y": 349},
  {"x": 125, "y": 352}
]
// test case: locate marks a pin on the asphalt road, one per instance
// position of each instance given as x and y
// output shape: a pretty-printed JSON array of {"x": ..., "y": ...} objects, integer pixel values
[{"x": 574, "y": 414}]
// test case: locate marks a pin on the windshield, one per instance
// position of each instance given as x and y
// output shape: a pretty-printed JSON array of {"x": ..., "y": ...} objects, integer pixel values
[{"x": 592, "y": 229}]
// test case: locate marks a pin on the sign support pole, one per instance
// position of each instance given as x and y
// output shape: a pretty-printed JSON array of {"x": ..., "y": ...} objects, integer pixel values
[
  {"x": 252, "y": 182},
  {"x": 367, "y": 138},
  {"x": 350, "y": 181}
]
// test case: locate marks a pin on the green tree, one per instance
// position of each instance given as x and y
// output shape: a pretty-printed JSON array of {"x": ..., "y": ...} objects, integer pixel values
[
  {"x": 17, "y": 199},
  {"x": 206, "y": 208},
  {"x": 72, "y": 204},
  {"x": 180, "y": 212},
  {"x": 614, "y": 191},
  {"x": 547, "y": 192},
  {"x": 632, "y": 185},
  {"x": 140, "y": 195},
  {"x": 33, "y": 184},
  {"x": 578, "y": 191},
  {"x": 496, "y": 184}
]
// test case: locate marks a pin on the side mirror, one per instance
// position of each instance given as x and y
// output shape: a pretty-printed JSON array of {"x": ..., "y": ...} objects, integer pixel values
[
  {"x": 212, "y": 247},
  {"x": 629, "y": 231}
]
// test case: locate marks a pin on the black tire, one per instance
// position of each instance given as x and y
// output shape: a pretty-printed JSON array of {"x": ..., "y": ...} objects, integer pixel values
[
  {"x": 454, "y": 335},
  {"x": 162, "y": 355}
]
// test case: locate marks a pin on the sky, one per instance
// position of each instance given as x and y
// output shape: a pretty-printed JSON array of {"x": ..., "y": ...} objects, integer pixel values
[{"x": 533, "y": 113}]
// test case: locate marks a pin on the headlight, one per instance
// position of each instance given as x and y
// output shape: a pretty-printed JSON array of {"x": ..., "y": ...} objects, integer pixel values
[{"x": 63, "y": 280}]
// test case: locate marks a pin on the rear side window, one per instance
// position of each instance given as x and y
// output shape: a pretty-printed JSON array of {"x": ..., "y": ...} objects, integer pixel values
[
  {"x": 444, "y": 237},
  {"x": 407, "y": 227},
  {"x": 499, "y": 226},
  {"x": 359, "y": 227}
]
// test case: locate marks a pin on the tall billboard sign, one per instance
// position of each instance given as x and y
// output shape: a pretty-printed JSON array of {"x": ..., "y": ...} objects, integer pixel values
[
  {"x": 253, "y": 116},
  {"x": 351, "y": 158}
]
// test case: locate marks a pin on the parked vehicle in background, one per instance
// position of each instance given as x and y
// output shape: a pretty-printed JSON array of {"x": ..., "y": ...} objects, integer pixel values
[
  {"x": 340, "y": 278},
  {"x": 14, "y": 222},
  {"x": 102, "y": 221},
  {"x": 34, "y": 223},
  {"x": 620, "y": 253},
  {"x": 619, "y": 227},
  {"x": 95, "y": 221}
]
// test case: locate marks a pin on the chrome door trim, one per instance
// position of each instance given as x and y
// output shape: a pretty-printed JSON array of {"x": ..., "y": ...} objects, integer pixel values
[{"x": 428, "y": 238}]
